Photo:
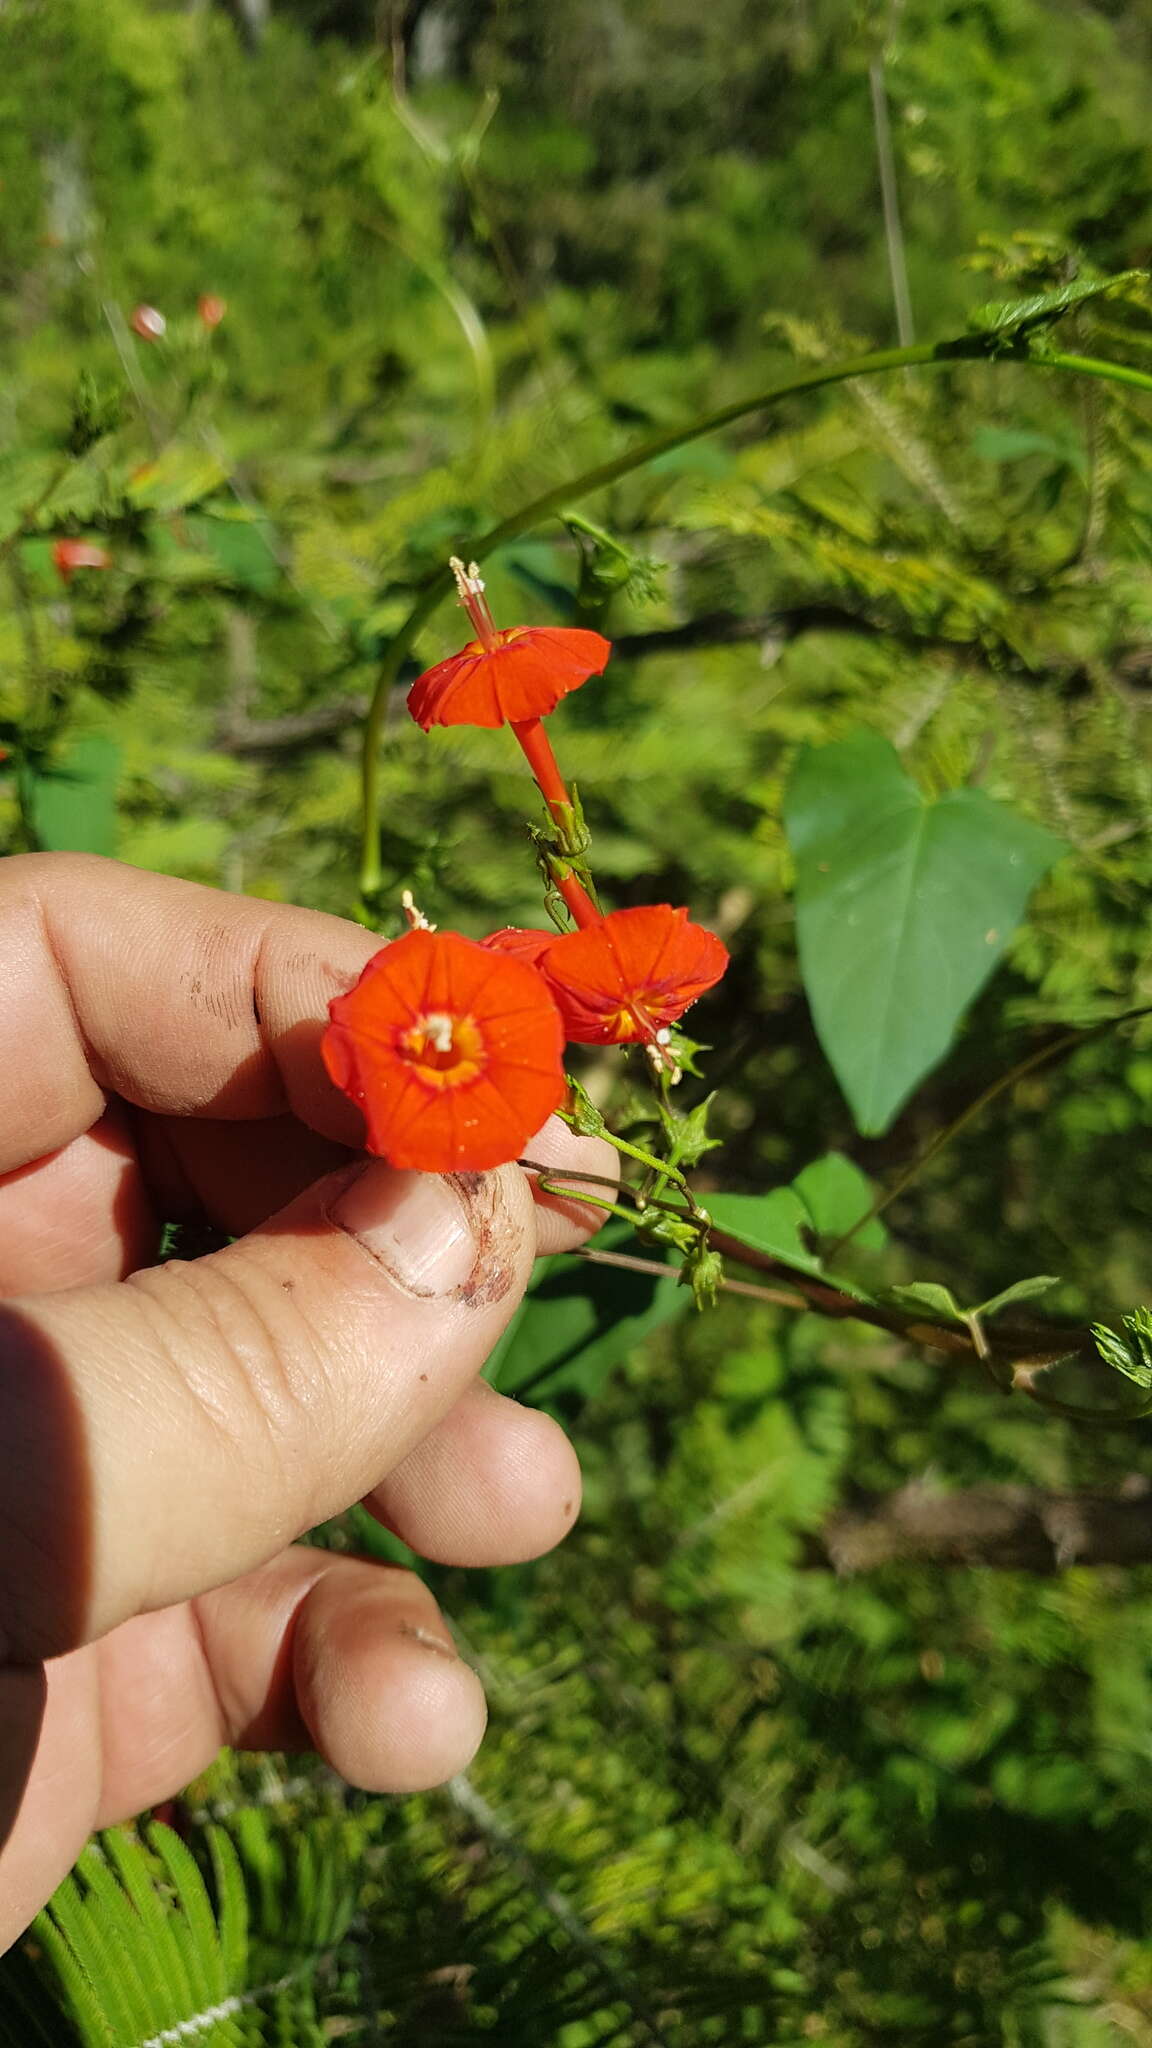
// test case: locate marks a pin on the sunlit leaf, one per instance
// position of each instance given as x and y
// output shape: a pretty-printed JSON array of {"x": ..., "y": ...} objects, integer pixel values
[
  {"x": 179, "y": 476},
  {"x": 903, "y": 909},
  {"x": 1016, "y": 317},
  {"x": 74, "y": 802}
]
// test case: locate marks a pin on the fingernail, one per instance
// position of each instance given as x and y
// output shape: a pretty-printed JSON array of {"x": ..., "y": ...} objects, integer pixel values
[{"x": 414, "y": 1223}]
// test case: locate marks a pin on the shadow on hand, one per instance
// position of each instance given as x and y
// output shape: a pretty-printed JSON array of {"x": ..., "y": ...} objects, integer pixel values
[{"x": 45, "y": 1540}]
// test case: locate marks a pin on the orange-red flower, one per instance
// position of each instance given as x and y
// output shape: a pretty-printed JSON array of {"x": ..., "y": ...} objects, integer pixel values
[
  {"x": 522, "y": 675},
  {"x": 453, "y": 1053},
  {"x": 631, "y": 975},
  {"x": 70, "y": 555},
  {"x": 210, "y": 309},
  {"x": 523, "y": 944},
  {"x": 508, "y": 677}
]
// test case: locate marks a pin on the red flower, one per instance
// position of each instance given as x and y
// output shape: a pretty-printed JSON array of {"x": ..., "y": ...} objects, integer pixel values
[
  {"x": 148, "y": 323},
  {"x": 508, "y": 677},
  {"x": 70, "y": 555},
  {"x": 523, "y": 945},
  {"x": 522, "y": 675},
  {"x": 453, "y": 1053},
  {"x": 210, "y": 309},
  {"x": 631, "y": 975}
]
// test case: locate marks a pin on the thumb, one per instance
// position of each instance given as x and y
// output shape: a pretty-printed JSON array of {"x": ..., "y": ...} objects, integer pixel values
[{"x": 162, "y": 1435}]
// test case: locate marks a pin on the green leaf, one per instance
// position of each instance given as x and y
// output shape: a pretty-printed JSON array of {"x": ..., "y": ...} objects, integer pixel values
[
  {"x": 1014, "y": 318},
  {"x": 903, "y": 909},
  {"x": 578, "y": 1320},
  {"x": 192, "y": 847},
  {"x": 781, "y": 1223},
  {"x": 205, "y": 1956},
  {"x": 688, "y": 1135},
  {"x": 179, "y": 476},
  {"x": 1130, "y": 1353},
  {"x": 1021, "y": 1290},
  {"x": 1014, "y": 444},
  {"x": 836, "y": 1195},
  {"x": 926, "y": 1297},
  {"x": 231, "y": 1902},
  {"x": 240, "y": 546},
  {"x": 774, "y": 1222},
  {"x": 74, "y": 801},
  {"x": 161, "y": 1951}
]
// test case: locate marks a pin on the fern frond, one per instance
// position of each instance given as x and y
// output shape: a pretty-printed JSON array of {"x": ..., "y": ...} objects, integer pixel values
[{"x": 133, "y": 1951}]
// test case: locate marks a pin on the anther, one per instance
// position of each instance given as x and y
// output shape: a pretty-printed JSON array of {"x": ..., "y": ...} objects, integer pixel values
[{"x": 414, "y": 918}]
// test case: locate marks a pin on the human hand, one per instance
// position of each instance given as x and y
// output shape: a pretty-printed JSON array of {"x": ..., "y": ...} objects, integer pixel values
[{"x": 167, "y": 1431}]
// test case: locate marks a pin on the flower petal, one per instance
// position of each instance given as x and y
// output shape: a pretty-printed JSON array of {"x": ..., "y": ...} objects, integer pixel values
[
  {"x": 634, "y": 972},
  {"x": 523, "y": 944},
  {"x": 522, "y": 677},
  {"x": 467, "y": 1102}
]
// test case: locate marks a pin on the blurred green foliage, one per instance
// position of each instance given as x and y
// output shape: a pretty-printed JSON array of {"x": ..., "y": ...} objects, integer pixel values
[{"x": 729, "y": 1794}]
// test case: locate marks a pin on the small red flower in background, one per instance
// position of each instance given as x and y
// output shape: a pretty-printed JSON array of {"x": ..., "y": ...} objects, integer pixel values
[
  {"x": 210, "y": 309},
  {"x": 631, "y": 975},
  {"x": 70, "y": 555},
  {"x": 148, "y": 323},
  {"x": 508, "y": 677},
  {"x": 453, "y": 1053}
]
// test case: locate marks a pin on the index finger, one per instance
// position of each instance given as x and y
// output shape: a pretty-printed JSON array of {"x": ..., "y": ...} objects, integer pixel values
[{"x": 178, "y": 998}]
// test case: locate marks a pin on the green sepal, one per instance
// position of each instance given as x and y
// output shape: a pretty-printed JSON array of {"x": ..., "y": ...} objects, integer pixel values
[
  {"x": 580, "y": 1112},
  {"x": 688, "y": 1135},
  {"x": 703, "y": 1272}
]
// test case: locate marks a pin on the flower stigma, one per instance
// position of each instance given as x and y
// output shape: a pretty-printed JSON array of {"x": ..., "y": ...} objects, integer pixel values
[
  {"x": 471, "y": 588},
  {"x": 443, "y": 1050}
]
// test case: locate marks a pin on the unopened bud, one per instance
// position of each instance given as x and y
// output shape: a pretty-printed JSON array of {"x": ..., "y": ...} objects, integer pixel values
[{"x": 149, "y": 324}]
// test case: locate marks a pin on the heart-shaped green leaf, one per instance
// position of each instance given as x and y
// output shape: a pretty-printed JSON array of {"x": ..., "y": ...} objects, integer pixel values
[
  {"x": 903, "y": 908},
  {"x": 774, "y": 1222},
  {"x": 837, "y": 1194}
]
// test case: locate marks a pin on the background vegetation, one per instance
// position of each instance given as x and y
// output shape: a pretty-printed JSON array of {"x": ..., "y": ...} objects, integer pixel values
[{"x": 833, "y": 1720}]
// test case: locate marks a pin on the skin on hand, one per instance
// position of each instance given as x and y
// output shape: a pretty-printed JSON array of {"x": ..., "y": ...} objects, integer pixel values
[{"x": 167, "y": 1432}]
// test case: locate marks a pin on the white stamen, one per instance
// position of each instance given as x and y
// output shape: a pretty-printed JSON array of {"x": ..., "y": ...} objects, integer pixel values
[
  {"x": 437, "y": 1029},
  {"x": 414, "y": 918},
  {"x": 662, "y": 1059},
  {"x": 468, "y": 580}
]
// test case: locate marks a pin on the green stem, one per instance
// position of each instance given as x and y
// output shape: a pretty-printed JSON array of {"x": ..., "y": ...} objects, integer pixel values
[
  {"x": 636, "y": 1152},
  {"x": 567, "y": 1193},
  {"x": 1092, "y": 366},
  {"x": 941, "y": 355}
]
